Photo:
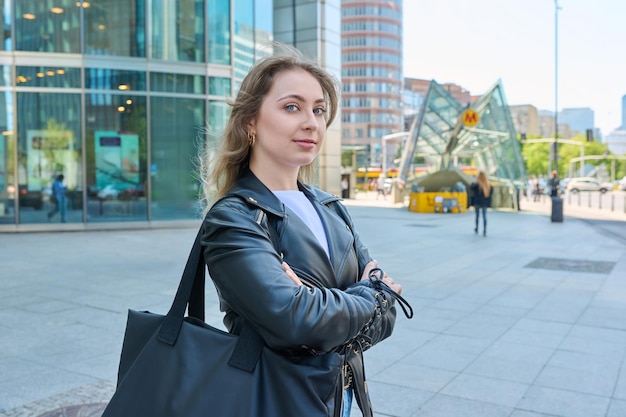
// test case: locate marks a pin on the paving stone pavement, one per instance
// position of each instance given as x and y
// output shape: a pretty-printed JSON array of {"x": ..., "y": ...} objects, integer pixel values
[{"x": 495, "y": 334}]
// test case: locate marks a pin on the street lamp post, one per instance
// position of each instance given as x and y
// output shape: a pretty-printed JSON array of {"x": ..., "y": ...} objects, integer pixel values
[
  {"x": 555, "y": 146},
  {"x": 557, "y": 203}
]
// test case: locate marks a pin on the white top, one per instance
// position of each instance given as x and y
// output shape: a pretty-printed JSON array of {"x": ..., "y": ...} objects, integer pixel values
[{"x": 299, "y": 204}]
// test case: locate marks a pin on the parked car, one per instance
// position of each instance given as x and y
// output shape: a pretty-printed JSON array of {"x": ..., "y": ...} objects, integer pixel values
[
  {"x": 622, "y": 184},
  {"x": 109, "y": 192},
  {"x": 588, "y": 184}
]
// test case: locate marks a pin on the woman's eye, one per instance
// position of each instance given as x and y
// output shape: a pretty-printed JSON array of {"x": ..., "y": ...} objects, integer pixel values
[
  {"x": 319, "y": 111},
  {"x": 291, "y": 107}
]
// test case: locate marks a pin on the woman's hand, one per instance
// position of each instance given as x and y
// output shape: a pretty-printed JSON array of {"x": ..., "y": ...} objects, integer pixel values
[
  {"x": 292, "y": 275},
  {"x": 386, "y": 278}
]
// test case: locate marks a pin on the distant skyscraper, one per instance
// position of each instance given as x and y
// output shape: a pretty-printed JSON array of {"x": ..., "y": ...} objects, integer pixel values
[
  {"x": 623, "y": 127},
  {"x": 579, "y": 119},
  {"x": 371, "y": 66}
]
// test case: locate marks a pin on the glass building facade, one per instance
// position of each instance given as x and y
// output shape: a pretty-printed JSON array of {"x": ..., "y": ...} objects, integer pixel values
[
  {"x": 118, "y": 96},
  {"x": 447, "y": 134}
]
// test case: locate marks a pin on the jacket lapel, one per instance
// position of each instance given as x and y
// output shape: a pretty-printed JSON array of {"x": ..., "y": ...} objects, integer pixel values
[{"x": 299, "y": 246}]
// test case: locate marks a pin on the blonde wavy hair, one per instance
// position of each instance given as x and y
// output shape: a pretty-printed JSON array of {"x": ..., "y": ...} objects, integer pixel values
[
  {"x": 483, "y": 183},
  {"x": 219, "y": 170}
]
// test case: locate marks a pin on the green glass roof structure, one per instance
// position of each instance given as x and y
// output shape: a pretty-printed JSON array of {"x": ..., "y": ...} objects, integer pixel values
[{"x": 446, "y": 132}]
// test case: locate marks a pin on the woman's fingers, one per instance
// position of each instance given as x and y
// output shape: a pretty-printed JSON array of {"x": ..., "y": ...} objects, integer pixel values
[
  {"x": 392, "y": 284},
  {"x": 292, "y": 275},
  {"x": 366, "y": 271}
]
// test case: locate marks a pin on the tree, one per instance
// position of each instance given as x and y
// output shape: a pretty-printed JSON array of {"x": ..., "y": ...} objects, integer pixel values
[
  {"x": 536, "y": 156},
  {"x": 568, "y": 152}
]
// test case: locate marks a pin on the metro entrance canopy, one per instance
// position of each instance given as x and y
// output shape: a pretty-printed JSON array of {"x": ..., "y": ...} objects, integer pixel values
[{"x": 446, "y": 133}]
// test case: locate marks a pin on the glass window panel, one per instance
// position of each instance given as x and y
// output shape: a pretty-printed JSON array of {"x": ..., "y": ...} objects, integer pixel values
[
  {"x": 219, "y": 32},
  {"x": 8, "y": 192},
  {"x": 174, "y": 124},
  {"x": 114, "y": 27},
  {"x": 243, "y": 37},
  {"x": 116, "y": 158},
  {"x": 49, "y": 144},
  {"x": 263, "y": 27},
  {"x": 47, "y": 77},
  {"x": 219, "y": 86},
  {"x": 112, "y": 79},
  {"x": 177, "y": 83},
  {"x": 6, "y": 78},
  {"x": 6, "y": 43},
  {"x": 218, "y": 116},
  {"x": 44, "y": 26},
  {"x": 178, "y": 30}
]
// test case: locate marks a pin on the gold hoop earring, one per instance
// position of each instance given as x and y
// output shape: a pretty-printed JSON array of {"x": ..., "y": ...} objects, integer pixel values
[{"x": 251, "y": 138}]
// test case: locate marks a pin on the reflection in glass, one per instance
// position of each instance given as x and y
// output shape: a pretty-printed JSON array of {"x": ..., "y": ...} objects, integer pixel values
[
  {"x": 175, "y": 126},
  {"x": 44, "y": 27},
  {"x": 112, "y": 79},
  {"x": 5, "y": 35},
  {"x": 8, "y": 191},
  {"x": 114, "y": 27},
  {"x": 219, "y": 86},
  {"x": 244, "y": 37},
  {"x": 48, "y": 127},
  {"x": 170, "y": 82},
  {"x": 6, "y": 78},
  {"x": 47, "y": 77},
  {"x": 218, "y": 115},
  {"x": 263, "y": 28},
  {"x": 178, "y": 30},
  {"x": 7, "y": 179},
  {"x": 219, "y": 32},
  {"x": 116, "y": 158}
]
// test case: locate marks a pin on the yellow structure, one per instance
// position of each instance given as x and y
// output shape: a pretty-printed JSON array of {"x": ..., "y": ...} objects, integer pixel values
[{"x": 438, "y": 202}]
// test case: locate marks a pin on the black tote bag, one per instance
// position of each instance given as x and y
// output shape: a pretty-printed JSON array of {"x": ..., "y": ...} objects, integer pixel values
[{"x": 176, "y": 366}]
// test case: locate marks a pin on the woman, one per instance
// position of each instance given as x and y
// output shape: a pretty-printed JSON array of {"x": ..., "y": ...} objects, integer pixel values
[
  {"x": 481, "y": 197},
  {"x": 300, "y": 278}
]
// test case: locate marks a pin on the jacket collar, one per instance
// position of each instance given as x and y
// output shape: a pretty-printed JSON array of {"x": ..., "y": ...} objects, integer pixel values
[{"x": 253, "y": 191}]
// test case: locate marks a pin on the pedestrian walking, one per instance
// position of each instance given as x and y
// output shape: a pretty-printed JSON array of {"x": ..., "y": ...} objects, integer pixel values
[
  {"x": 59, "y": 196},
  {"x": 481, "y": 192}
]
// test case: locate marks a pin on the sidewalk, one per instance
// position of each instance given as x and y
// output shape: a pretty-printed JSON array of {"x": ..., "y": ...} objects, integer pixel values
[{"x": 528, "y": 321}]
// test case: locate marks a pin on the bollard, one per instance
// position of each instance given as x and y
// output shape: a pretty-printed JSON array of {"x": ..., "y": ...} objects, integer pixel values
[
  {"x": 600, "y": 201},
  {"x": 578, "y": 199},
  {"x": 612, "y": 202}
]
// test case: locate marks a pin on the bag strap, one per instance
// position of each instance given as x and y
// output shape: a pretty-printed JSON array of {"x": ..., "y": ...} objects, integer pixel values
[
  {"x": 190, "y": 295},
  {"x": 190, "y": 291}
]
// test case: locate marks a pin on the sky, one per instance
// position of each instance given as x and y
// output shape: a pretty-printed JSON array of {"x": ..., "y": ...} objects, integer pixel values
[{"x": 475, "y": 43}]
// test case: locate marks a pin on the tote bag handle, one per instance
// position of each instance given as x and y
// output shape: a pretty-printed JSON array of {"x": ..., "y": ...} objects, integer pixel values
[{"x": 190, "y": 292}]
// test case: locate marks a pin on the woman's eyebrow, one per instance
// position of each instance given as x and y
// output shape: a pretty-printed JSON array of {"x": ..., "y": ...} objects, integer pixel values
[{"x": 299, "y": 98}]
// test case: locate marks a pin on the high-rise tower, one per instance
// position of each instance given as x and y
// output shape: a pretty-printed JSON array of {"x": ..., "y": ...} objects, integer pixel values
[
  {"x": 371, "y": 35},
  {"x": 623, "y": 113}
]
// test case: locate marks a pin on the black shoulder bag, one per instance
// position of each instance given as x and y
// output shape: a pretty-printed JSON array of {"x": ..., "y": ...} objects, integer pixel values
[{"x": 177, "y": 366}]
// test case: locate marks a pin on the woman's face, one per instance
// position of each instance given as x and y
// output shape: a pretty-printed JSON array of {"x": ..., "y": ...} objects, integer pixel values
[{"x": 290, "y": 126}]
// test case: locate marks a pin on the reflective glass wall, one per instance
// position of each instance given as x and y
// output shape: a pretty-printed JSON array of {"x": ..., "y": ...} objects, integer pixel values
[{"x": 105, "y": 104}]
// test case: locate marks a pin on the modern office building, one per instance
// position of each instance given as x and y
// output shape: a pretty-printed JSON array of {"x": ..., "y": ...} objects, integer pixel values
[
  {"x": 118, "y": 96},
  {"x": 371, "y": 50},
  {"x": 525, "y": 119},
  {"x": 616, "y": 142},
  {"x": 623, "y": 126},
  {"x": 578, "y": 119}
]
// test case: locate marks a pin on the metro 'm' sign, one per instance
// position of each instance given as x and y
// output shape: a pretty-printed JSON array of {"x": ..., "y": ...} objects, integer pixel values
[{"x": 470, "y": 118}]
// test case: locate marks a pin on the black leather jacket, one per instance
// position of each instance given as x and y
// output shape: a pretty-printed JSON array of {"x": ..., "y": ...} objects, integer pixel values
[{"x": 245, "y": 265}]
